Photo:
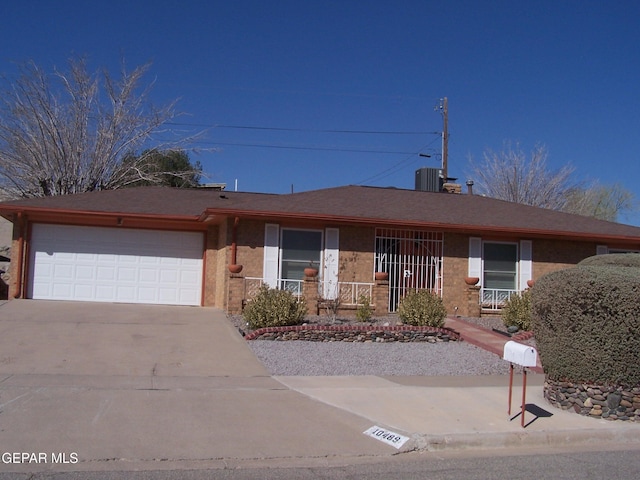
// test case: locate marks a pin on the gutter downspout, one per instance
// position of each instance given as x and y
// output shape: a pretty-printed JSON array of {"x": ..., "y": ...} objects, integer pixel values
[
  {"x": 19, "y": 280},
  {"x": 234, "y": 242}
]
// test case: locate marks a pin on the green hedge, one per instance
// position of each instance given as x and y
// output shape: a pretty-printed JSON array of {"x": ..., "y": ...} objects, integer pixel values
[
  {"x": 612, "y": 260},
  {"x": 586, "y": 321}
]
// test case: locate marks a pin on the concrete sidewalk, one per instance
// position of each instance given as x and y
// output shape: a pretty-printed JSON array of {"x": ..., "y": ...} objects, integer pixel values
[
  {"x": 440, "y": 413},
  {"x": 466, "y": 412},
  {"x": 126, "y": 387}
]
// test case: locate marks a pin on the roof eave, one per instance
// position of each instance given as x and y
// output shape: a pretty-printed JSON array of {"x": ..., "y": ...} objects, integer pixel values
[
  {"x": 7, "y": 213},
  {"x": 461, "y": 228}
]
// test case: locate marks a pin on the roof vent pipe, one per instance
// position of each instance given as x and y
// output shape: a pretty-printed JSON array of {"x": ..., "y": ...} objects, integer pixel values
[{"x": 470, "y": 187}]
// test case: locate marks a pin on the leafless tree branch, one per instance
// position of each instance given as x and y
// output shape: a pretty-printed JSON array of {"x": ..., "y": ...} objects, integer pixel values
[{"x": 70, "y": 132}]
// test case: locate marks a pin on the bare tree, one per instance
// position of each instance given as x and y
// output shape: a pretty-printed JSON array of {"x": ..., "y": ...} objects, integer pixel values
[
  {"x": 510, "y": 175},
  {"x": 605, "y": 202},
  {"x": 69, "y": 132}
]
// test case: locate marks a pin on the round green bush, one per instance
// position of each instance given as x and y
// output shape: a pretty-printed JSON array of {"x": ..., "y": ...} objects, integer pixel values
[
  {"x": 586, "y": 321},
  {"x": 517, "y": 311},
  {"x": 272, "y": 307},
  {"x": 422, "y": 308},
  {"x": 613, "y": 260}
]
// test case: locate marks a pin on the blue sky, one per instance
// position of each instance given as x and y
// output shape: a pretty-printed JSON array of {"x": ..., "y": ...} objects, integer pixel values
[{"x": 308, "y": 74}]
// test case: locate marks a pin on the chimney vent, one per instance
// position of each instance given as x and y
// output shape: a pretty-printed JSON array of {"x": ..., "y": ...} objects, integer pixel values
[{"x": 470, "y": 187}]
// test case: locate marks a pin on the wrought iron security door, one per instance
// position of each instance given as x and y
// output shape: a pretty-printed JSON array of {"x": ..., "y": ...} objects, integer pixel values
[{"x": 413, "y": 260}]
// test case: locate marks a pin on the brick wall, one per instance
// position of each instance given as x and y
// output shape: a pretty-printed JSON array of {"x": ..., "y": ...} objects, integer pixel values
[
  {"x": 210, "y": 260},
  {"x": 356, "y": 254},
  {"x": 356, "y": 262},
  {"x": 548, "y": 256},
  {"x": 552, "y": 255},
  {"x": 455, "y": 267}
]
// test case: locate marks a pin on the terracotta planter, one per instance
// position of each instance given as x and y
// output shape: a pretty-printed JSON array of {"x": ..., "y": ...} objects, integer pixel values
[
  {"x": 234, "y": 268},
  {"x": 310, "y": 272},
  {"x": 471, "y": 280},
  {"x": 382, "y": 275}
]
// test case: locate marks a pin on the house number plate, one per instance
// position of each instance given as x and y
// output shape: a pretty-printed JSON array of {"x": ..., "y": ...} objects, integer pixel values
[{"x": 391, "y": 438}]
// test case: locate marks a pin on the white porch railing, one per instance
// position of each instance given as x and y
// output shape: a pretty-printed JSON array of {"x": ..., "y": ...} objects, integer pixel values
[
  {"x": 349, "y": 293},
  {"x": 253, "y": 284},
  {"x": 494, "y": 298}
]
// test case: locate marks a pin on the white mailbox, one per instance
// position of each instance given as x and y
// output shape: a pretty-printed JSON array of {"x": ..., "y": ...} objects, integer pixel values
[{"x": 520, "y": 354}]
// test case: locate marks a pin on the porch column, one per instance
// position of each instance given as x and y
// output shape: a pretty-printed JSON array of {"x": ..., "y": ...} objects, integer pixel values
[
  {"x": 235, "y": 295},
  {"x": 310, "y": 293},
  {"x": 472, "y": 296},
  {"x": 381, "y": 297}
]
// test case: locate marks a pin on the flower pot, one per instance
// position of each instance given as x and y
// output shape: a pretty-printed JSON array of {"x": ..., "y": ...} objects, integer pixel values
[
  {"x": 310, "y": 272},
  {"x": 382, "y": 275},
  {"x": 471, "y": 280},
  {"x": 234, "y": 268}
]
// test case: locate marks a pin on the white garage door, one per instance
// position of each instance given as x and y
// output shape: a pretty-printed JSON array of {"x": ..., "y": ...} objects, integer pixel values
[{"x": 115, "y": 265}]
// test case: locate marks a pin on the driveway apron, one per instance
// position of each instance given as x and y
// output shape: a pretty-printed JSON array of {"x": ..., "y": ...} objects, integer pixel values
[{"x": 116, "y": 386}]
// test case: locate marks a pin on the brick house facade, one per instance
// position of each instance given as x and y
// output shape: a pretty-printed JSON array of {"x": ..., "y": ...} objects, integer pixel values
[{"x": 420, "y": 239}]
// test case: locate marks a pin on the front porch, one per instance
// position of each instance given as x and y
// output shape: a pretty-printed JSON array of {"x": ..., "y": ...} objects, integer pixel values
[{"x": 342, "y": 298}]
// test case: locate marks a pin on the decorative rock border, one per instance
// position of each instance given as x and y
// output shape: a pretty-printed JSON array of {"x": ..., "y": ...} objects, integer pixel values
[
  {"x": 355, "y": 333},
  {"x": 611, "y": 403}
]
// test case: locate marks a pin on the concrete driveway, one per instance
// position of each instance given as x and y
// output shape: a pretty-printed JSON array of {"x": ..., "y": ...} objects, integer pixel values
[
  {"x": 128, "y": 387},
  {"x": 83, "y": 338}
]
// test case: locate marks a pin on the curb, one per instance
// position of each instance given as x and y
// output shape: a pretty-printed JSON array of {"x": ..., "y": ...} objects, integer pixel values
[{"x": 560, "y": 438}]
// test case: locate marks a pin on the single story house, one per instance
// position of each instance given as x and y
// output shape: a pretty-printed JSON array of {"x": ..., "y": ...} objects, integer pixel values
[{"x": 215, "y": 248}]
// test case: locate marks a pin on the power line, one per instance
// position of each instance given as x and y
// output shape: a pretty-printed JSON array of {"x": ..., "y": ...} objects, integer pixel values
[
  {"x": 300, "y": 147},
  {"x": 397, "y": 166},
  {"x": 309, "y": 130}
]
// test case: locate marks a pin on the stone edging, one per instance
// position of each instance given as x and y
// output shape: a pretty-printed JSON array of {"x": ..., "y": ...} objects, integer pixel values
[
  {"x": 611, "y": 403},
  {"x": 355, "y": 333}
]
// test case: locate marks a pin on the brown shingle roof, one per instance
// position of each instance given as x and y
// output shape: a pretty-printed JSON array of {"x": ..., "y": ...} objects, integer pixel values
[{"x": 353, "y": 204}]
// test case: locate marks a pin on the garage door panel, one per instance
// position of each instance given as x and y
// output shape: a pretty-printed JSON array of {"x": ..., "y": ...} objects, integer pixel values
[
  {"x": 85, "y": 272},
  {"x": 106, "y": 273},
  {"x": 116, "y": 265},
  {"x": 63, "y": 271},
  {"x": 83, "y": 292}
]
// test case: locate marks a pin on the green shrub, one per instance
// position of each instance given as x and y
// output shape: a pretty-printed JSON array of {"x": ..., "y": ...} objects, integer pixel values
[
  {"x": 364, "y": 310},
  {"x": 613, "y": 260},
  {"x": 422, "y": 308},
  {"x": 274, "y": 308},
  {"x": 587, "y": 324},
  {"x": 517, "y": 311}
]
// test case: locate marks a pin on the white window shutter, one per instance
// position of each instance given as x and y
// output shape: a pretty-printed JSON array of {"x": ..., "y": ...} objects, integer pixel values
[
  {"x": 271, "y": 254},
  {"x": 526, "y": 263},
  {"x": 331, "y": 254},
  {"x": 475, "y": 258},
  {"x": 602, "y": 250}
]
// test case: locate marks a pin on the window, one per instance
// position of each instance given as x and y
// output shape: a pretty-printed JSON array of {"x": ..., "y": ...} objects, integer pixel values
[
  {"x": 299, "y": 249},
  {"x": 500, "y": 266}
]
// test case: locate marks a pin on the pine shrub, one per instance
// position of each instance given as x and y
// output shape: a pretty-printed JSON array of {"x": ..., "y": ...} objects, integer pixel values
[
  {"x": 517, "y": 311},
  {"x": 272, "y": 307},
  {"x": 422, "y": 308},
  {"x": 587, "y": 323}
]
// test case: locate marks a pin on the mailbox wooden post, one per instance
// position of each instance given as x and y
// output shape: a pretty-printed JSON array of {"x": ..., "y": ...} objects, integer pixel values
[{"x": 525, "y": 356}]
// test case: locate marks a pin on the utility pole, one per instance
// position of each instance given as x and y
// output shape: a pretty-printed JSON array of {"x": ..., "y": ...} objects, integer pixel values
[{"x": 444, "y": 109}]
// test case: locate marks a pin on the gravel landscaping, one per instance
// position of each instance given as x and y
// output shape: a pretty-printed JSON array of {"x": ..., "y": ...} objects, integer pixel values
[
  {"x": 341, "y": 358},
  {"x": 394, "y": 358}
]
